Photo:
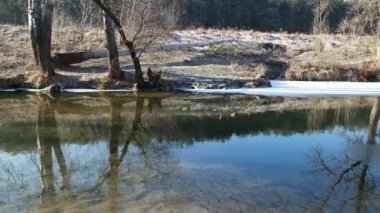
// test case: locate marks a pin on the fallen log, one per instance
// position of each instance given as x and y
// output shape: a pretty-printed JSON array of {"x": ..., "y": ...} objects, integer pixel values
[{"x": 61, "y": 59}]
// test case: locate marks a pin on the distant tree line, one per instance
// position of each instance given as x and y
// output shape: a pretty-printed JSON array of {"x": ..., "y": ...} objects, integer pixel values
[
  {"x": 263, "y": 15},
  {"x": 13, "y": 12}
]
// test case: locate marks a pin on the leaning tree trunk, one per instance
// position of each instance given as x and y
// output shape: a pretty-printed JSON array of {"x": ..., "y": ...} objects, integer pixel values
[
  {"x": 372, "y": 133},
  {"x": 130, "y": 45},
  {"x": 40, "y": 14},
  {"x": 373, "y": 122},
  {"x": 113, "y": 55}
]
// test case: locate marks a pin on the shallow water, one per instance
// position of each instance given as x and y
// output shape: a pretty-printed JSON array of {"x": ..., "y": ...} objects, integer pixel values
[{"x": 188, "y": 153}]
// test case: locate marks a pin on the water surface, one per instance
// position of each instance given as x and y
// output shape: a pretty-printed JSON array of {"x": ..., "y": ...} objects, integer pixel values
[{"x": 188, "y": 153}]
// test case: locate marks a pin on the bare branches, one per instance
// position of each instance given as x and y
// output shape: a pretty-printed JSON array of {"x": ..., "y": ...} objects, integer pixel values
[
  {"x": 148, "y": 21},
  {"x": 14, "y": 176},
  {"x": 363, "y": 19},
  {"x": 147, "y": 27},
  {"x": 130, "y": 45},
  {"x": 321, "y": 13}
]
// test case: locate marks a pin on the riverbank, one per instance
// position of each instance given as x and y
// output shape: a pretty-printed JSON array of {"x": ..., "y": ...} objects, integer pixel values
[
  {"x": 279, "y": 88},
  {"x": 198, "y": 59},
  {"x": 303, "y": 89}
]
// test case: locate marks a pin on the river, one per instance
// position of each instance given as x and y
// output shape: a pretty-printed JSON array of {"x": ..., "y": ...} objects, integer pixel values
[{"x": 167, "y": 152}]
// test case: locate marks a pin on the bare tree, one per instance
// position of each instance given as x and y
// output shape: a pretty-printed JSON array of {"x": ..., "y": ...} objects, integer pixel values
[
  {"x": 146, "y": 24},
  {"x": 40, "y": 13},
  {"x": 130, "y": 45},
  {"x": 321, "y": 13},
  {"x": 148, "y": 21},
  {"x": 363, "y": 18},
  {"x": 113, "y": 55}
]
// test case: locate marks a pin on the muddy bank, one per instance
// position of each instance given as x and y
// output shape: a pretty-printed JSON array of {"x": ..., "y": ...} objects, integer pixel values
[{"x": 23, "y": 83}]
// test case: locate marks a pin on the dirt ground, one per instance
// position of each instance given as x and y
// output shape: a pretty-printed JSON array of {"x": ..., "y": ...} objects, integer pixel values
[{"x": 202, "y": 57}]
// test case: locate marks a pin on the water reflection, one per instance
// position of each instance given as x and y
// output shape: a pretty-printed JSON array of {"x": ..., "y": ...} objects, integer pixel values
[
  {"x": 110, "y": 153},
  {"x": 48, "y": 144},
  {"x": 114, "y": 138},
  {"x": 350, "y": 171}
]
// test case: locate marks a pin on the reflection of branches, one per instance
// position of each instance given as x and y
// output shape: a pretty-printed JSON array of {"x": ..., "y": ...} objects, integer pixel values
[
  {"x": 34, "y": 160},
  {"x": 144, "y": 155},
  {"x": 360, "y": 177},
  {"x": 135, "y": 127},
  {"x": 339, "y": 177},
  {"x": 319, "y": 113},
  {"x": 136, "y": 133},
  {"x": 154, "y": 102},
  {"x": 47, "y": 141},
  {"x": 114, "y": 137},
  {"x": 320, "y": 162},
  {"x": 355, "y": 137},
  {"x": 316, "y": 117},
  {"x": 14, "y": 177},
  {"x": 339, "y": 180},
  {"x": 107, "y": 176},
  {"x": 345, "y": 111}
]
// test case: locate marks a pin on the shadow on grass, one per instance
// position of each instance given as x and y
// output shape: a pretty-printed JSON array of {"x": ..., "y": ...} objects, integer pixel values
[{"x": 87, "y": 69}]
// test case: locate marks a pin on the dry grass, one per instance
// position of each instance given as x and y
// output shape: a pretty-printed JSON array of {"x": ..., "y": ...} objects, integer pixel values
[
  {"x": 161, "y": 58},
  {"x": 334, "y": 71},
  {"x": 14, "y": 50},
  {"x": 16, "y": 59},
  {"x": 244, "y": 55},
  {"x": 256, "y": 71},
  {"x": 320, "y": 45},
  {"x": 73, "y": 39},
  {"x": 337, "y": 58}
]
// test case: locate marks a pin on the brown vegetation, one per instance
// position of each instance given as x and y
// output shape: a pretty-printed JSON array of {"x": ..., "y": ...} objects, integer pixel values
[
  {"x": 337, "y": 58},
  {"x": 196, "y": 56}
]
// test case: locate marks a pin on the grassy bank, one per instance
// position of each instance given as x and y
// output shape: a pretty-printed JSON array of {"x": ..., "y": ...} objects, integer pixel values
[{"x": 199, "y": 58}]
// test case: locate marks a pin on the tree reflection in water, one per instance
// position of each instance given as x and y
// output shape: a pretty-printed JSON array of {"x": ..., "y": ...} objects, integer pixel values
[
  {"x": 114, "y": 138},
  {"x": 48, "y": 142},
  {"x": 106, "y": 153},
  {"x": 354, "y": 171}
]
